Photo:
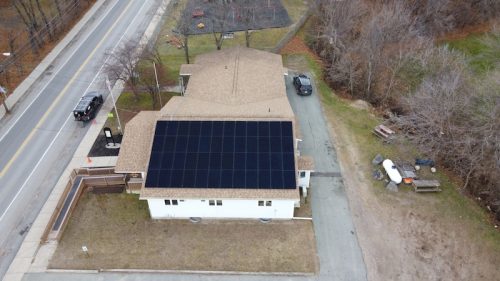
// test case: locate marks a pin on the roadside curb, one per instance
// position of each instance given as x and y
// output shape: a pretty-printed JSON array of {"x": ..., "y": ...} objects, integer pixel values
[
  {"x": 187, "y": 272},
  {"x": 36, "y": 74}
]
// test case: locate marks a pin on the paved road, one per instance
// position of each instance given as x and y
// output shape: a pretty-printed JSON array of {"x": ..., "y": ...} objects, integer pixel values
[
  {"x": 338, "y": 250},
  {"x": 39, "y": 138}
]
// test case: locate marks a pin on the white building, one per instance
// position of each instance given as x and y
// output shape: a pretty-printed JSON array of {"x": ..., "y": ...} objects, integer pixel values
[{"x": 226, "y": 149}]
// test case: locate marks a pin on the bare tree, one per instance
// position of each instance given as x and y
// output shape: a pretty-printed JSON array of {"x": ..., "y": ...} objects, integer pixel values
[
  {"x": 44, "y": 18},
  {"x": 219, "y": 10},
  {"x": 184, "y": 29},
  {"x": 151, "y": 68},
  {"x": 247, "y": 17},
  {"x": 147, "y": 81},
  {"x": 122, "y": 63},
  {"x": 339, "y": 23},
  {"x": 58, "y": 8},
  {"x": 27, "y": 14},
  {"x": 386, "y": 55},
  {"x": 11, "y": 38},
  {"x": 456, "y": 119}
]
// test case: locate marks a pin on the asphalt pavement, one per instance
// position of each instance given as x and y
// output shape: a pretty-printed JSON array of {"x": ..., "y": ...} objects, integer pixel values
[
  {"x": 339, "y": 254},
  {"x": 39, "y": 138}
]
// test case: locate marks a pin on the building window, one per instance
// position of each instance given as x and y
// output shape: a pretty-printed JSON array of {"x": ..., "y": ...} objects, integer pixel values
[
  {"x": 265, "y": 203},
  {"x": 302, "y": 174},
  {"x": 215, "y": 202},
  {"x": 172, "y": 202}
]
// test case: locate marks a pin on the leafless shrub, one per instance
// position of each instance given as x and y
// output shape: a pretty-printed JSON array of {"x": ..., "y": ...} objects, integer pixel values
[
  {"x": 184, "y": 29},
  {"x": 121, "y": 65},
  {"x": 456, "y": 119},
  {"x": 219, "y": 10},
  {"x": 150, "y": 68},
  {"x": 365, "y": 50},
  {"x": 383, "y": 51}
]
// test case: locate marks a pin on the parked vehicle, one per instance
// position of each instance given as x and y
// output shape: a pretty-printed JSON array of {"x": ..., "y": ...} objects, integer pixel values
[
  {"x": 88, "y": 106},
  {"x": 303, "y": 85}
]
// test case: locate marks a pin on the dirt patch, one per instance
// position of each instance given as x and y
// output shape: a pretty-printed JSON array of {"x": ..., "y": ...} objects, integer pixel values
[
  {"x": 413, "y": 240},
  {"x": 298, "y": 46},
  {"x": 469, "y": 30},
  {"x": 118, "y": 232},
  {"x": 361, "y": 104}
]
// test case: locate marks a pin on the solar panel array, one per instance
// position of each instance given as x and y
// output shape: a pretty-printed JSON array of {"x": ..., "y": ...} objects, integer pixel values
[{"x": 222, "y": 154}]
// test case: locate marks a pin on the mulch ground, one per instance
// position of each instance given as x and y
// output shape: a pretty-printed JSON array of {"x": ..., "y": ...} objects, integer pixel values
[
  {"x": 298, "y": 46},
  {"x": 99, "y": 148},
  {"x": 118, "y": 232}
]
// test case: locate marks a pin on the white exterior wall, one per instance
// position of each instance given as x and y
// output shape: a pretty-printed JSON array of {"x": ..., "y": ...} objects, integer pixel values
[
  {"x": 231, "y": 208},
  {"x": 305, "y": 180}
]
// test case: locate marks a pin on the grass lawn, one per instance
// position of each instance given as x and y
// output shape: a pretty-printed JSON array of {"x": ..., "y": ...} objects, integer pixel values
[
  {"x": 483, "y": 57},
  {"x": 118, "y": 232},
  {"x": 128, "y": 107}
]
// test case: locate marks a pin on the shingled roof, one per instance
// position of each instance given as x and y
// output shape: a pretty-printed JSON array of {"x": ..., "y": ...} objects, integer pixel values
[{"x": 232, "y": 84}]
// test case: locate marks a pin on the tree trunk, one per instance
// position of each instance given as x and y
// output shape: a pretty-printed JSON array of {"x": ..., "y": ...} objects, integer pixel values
[
  {"x": 44, "y": 18},
  {"x": 247, "y": 38},
  {"x": 369, "y": 79},
  {"x": 12, "y": 47},
  {"x": 218, "y": 40},
  {"x": 186, "y": 48},
  {"x": 58, "y": 7},
  {"x": 33, "y": 41}
]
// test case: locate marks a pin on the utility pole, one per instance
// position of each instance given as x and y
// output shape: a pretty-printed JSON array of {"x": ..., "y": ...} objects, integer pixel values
[
  {"x": 157, "y": 85},
  {"x": 108, "y": 84},
  {"x": 3, "y": 91}
]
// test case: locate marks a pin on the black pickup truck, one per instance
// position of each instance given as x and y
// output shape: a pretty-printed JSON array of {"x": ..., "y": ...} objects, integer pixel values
[{"x": 88, "y": 106}]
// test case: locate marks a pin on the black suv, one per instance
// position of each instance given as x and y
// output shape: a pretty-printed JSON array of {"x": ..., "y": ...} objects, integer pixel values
[
  {"x": 87, "y": 107},
  {"x": 303, "y": 85}
]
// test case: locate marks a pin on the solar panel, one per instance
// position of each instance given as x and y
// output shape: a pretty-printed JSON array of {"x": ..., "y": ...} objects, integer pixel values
[{"x": 222, "y": 154}]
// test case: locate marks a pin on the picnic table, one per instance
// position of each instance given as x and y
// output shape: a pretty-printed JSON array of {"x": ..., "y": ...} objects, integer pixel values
[
  {"x": 383, "y": 132},
  {"x": 426, "y": 185}
]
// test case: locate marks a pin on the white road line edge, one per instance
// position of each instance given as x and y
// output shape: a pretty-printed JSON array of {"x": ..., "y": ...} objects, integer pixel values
[
  {"x": 57, "y": 72},
  {"x": 65, "y": 122}
]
